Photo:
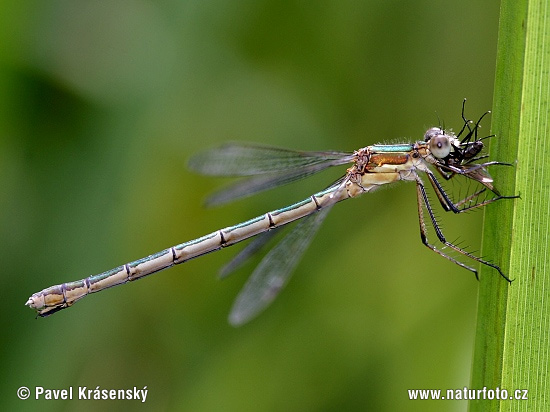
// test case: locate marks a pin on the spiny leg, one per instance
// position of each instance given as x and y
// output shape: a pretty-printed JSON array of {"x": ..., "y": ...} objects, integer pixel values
[
  {"x": 468, "y": 122},
  {"x": 424, "y": 232},
  {"x": 449, "y": 205},
  {"x": 422, "y": 200}
]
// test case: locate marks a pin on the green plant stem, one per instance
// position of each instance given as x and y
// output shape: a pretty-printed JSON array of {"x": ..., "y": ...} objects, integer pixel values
[{"x": 512, "y": 348}]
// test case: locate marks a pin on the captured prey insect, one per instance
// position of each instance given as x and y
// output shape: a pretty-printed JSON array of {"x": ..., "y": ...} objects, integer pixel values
[{"x": 266, "y": 167}]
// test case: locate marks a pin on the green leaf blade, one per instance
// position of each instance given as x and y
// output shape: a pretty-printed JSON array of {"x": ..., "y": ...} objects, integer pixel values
[{"x": 512, "y": 349}]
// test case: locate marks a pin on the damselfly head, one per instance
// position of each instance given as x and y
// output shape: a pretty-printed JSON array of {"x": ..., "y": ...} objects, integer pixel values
[
  {"x": 449, "y": 149},
  {"x": 455, "y": 155},
  {"x": 440, "y": 144}
]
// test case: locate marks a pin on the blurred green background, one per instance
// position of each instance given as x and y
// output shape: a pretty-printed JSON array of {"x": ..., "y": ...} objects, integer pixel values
[{"x": 102, "y": 103}]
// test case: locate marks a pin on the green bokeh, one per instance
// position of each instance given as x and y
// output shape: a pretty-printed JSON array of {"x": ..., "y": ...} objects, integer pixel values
[{"x": 101, "y": 105}]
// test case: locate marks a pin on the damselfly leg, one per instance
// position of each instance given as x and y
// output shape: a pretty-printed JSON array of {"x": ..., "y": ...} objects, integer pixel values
[{"x": 448, "y": 205}]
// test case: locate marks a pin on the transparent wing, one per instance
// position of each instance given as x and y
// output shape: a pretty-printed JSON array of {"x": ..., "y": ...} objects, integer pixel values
[
  {"x": 274, "y": 271},
  {"x": 249, "y": 186},
  {"x": 239, "y": 159},
  {"x": 266, "y": 166}
]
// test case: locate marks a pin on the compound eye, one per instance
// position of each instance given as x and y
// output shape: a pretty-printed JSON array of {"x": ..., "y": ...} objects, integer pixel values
[
  {"x": 434, "y": 131},
  {"x": 440, "y": 146}
]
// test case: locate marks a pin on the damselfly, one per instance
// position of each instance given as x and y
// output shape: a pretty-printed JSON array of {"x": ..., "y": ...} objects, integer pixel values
[{"x": 451, "y": 155}]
